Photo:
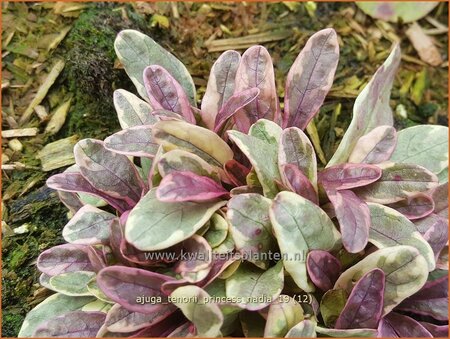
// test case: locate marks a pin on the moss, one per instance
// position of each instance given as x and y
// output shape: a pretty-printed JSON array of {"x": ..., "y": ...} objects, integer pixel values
[
  {"x": 89, "y": 73},
  {"x": 11, "y": 324}
]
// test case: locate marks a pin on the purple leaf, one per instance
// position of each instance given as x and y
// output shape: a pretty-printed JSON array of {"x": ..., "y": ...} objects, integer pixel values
[
  {"x": 165, "y": 92},
  {"x": 256, "y": 70},
  {"x": 236, "y": 172},
  {"x": 63, "y": 259},
  {"x": 347, "y": 176},
  {"x": 310, "y": 78},
  {"x": 218, "y": 266},
  {"x": 354, "y": 219},
  {"x": 434, "y": 230},
  {"x": 438, "y": 331},
  {"x": 233, "y": 105},
  {"x": 365, "y": 304},
  {"x": 77, "y": 324},
  {"x": 414, "y": 207},
  {"x": 323, "y": 269},
  {"x": 121, "y": 320},
  {"x": 440, "y": 198},
  {"x": 375, "y": 147},
  {"x": 163, "y": 328},
  {"x": 109, "y": 172},
  {"x": 126, "y": 285},
  {"x": 431, "y": 300},
  {"x": 135, "y": 141},
  {"x": 70, "y": 200},
  {"x": 188, "y": 186},
  {"x": 150, "y": 258},
  {"x": 396, "y": 325},
  {"x": 297, "y": 182},
  {"x": 220, "y": 86},
  {"x": 75, "y": 182},
  {"x": 97, "y": 257}
]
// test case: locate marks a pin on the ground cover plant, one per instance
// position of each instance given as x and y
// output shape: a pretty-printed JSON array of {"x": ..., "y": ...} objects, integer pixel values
[{"x": 164, "y": 210}]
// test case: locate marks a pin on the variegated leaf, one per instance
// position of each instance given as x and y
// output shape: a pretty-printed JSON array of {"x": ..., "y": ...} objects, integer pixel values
[
  {"x": 136, "y": 51},
  {"x": 89, "y": 226},
  {"x": 391, "y": 228},
  {"x": 233, "y": 105},
  {"x": 251, "y": 229},
  {"x": 310, "y": 78},
  {"x": 296, "y": 149},
  {"x": 255, "y": 288},
  {"x": 283, "y": 314},
  {"x": 424, "y": 145},
  {"x": 354, "y": 219},
  {"x": 134, "y": 141},
  {"x": 292, "y": 216},
  {"x": 398, "y": 181},
  {"x": 155, "y": 225},
  {"x": 131, "y": 110},
  {"x": 220, "y": 87},
  {"x": 198, "y": 140},
  {"x": 371, "y": 108},
  {"x": 406, "y": 271},
  {"x": 206, "y": 316},
  {"x": 375, "y": 147},
  {"x": 188, "y": 186},
  {"x": 109, "y": 172},
  {"x": 256, "y": 70},
  {"x": 164, "y": 92},
  {"x": 263, "y": 157},
  {"x": 178, "y": 160},
  {"x": 347, "y": 176}
]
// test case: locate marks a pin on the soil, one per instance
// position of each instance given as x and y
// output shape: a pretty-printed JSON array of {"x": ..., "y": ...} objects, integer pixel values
[{"x": 92, "y": 74}]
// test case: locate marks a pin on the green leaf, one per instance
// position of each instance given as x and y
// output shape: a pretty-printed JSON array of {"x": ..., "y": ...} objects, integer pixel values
[
  {"x": 136, "y": 51},
  {"x": 206, "y": 144},
  {"x": 424, "y": 145},
  {"x": 405, "y": 268},
  {"x": 304, "y": 329},
  {"x": 299, "y": 226},
  {"x": 282, "y": 316},
  {"x": 251, "y": 228},
  {"x": 72, "y": 283},
  {"x": 254, "y": 288},
  {"x": 331, "y": 306},
  {"x": 371, "y": 108},
  {"x": 193, "y": 302},
  {"x": 390, "y": 228},
  {"x": 154, "y": 225},
  {"x": 53, "y": 306},
  {"x": 217, "y": 231},
  {"x": 263, "y": 157},
  {"x": 267, "y": 131}
]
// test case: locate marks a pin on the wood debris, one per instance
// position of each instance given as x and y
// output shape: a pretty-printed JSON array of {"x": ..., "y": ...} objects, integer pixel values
[
  {"x": 58, "y": 118},
  {"x": 58, "y": 154},
  {"x": 43, "y": 90},
  {"x": 246, "y": 41},
  {"x": 18, "y": 133},
  {"x": 424, "y": 45}
]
